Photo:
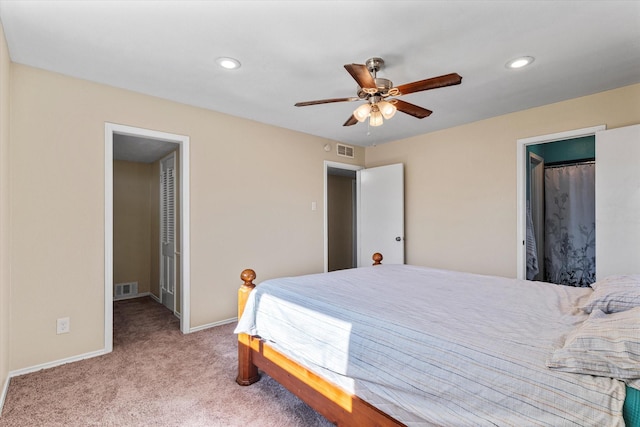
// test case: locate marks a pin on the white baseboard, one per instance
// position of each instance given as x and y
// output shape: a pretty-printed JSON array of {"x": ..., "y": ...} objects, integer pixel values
[
  {"x": 97, "y": 353},
  {"x": 213, "y": 325},
  {"x": 56, "y": 363},
  {"x": 3, "y": 395},
  {"x": 139, "y": 295},
  {"x": 16, "y": 373}
]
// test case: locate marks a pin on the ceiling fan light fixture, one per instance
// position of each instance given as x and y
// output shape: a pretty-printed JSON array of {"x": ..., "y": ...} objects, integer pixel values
[
  {"x": 362, "y": 112},
  {"x": 375, "y": 118},
  {"x": 387, "y": 109},
  {"x": 228, "y": 63}
]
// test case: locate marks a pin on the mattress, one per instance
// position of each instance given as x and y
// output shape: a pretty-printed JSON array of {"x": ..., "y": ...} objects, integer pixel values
[{"x": 436, "y": 347}]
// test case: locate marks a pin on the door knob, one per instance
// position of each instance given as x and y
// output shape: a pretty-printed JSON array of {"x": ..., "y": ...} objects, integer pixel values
[{"x": 398, "y": 238}]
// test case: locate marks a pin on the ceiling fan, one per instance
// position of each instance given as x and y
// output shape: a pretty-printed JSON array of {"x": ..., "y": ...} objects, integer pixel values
[{"x": 378, "y": 93}]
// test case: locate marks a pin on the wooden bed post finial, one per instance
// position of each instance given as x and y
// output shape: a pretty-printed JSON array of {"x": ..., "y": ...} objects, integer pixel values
[
  {"x": 377, "y": 258},
  {"x": 247, "y": 371},
  {"x": 248, "y": 276}
]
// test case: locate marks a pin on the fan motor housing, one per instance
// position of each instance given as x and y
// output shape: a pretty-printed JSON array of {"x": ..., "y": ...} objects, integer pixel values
[{"x": 383, "y": 86}]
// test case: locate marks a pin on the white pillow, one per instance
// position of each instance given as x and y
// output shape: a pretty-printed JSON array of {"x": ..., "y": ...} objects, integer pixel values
[
  {"x": 634, "y": 383},
  {"x": 606, "y": 345},
  {"x": 614, "y": 294}
]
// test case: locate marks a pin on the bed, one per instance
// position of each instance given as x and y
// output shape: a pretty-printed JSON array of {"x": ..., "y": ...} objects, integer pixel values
[{"x": 394, "y": 345}]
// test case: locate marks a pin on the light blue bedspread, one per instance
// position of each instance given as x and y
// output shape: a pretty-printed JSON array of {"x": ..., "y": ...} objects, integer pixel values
[{"x": 435, "y": 347}]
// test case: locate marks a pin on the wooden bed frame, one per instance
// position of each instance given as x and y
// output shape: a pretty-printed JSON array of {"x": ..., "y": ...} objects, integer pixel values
[{"x": 338, "y": 406}]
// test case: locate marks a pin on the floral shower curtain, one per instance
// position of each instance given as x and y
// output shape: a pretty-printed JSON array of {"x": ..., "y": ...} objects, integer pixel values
[{"x": 570, "y": 229}]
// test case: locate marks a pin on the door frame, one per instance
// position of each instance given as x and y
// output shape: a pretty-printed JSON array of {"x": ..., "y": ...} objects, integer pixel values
[
  {"x": 521, "y": 182},
  {"x": 185, "y": 259},
  {"x": 335, "y": 165}
]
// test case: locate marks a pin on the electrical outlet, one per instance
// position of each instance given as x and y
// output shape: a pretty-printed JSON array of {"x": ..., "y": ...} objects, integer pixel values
[{"x": 63, "y": 325}]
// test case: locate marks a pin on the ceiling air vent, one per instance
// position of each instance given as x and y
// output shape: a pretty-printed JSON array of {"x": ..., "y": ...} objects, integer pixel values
[{"x": 344, "y": 150}]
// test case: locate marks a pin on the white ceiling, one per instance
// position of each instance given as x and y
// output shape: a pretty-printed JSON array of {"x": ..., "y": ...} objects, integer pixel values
[
  {"x": 295, "y": 51},
  {"x": 143, "y": 150}
]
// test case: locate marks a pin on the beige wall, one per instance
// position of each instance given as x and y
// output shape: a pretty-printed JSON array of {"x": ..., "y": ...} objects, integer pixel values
[
  {"x": 460, "y": 183},
  {"x": 246, "y": 211},
  {"x": 5, "y": 229},
  {"x": 132, "y": 223}
]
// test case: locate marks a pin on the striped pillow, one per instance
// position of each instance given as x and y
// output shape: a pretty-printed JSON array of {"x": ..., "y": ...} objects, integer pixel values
[
  {"x": 606, "y": 345},
  {"x": 614, "y": 294}
]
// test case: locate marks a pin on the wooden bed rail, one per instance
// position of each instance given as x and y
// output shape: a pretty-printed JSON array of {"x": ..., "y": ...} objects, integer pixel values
[{"x": 338, "y": 406}]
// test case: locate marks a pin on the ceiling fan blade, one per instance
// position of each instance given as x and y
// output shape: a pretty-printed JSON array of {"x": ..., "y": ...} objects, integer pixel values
[
  {"x": 412, "y": 109},
  {"x": 351, "y": 121},
  {"x": 361, "y": 74},
  {"x": 326, "y": 101},
  {"x": 432, "y": 83}
]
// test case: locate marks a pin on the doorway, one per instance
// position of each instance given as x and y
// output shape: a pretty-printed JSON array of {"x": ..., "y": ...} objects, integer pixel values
[
  {"x": 561, "y": 212},
  {"x": 534, "y": 154},
  {"x": 379, "y": 213},
  {"x": 340, "y": 216},
  {"x": 155, "y": 138},
  {"x": 341, "y": 219}
]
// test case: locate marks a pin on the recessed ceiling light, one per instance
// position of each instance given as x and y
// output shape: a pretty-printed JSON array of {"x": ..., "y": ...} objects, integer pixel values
[
  {"x": 228, "y": 63},
  {"x": 523, "y": 61}
]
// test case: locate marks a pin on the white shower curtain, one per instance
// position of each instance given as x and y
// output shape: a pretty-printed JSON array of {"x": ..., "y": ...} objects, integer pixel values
[{"x": 570, "y": 229}]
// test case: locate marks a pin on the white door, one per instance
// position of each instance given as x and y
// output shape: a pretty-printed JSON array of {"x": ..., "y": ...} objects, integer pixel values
[
  {"x": 618, "y": 201},
  {"x": 168, "y": 231},
  {"x": 381, "y": 214}
]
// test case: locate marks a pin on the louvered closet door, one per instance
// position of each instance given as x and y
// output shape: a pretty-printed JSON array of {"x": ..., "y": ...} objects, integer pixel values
[{"x": 168, "y": 231}]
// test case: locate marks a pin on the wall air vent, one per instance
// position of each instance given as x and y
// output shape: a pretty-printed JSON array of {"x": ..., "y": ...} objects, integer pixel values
[
  {"x": 125, "y": 290},
  {"x": 344, "y": 150}
]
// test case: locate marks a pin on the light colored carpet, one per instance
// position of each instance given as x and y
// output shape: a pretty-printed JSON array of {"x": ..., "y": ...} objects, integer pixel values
[{"x": 155, "y": 376}]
